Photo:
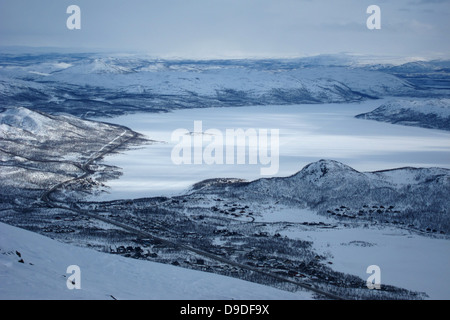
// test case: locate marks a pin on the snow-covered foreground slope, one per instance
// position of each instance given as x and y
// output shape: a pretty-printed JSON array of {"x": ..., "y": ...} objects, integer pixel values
[{"x": 42, "y": 275}]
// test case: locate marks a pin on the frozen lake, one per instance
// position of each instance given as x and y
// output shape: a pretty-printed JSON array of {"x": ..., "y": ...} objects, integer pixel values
[{"x": 307, "y": 133}]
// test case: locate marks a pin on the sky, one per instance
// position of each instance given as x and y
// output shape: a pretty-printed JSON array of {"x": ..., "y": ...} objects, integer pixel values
[{"x": 232, "y": 28}]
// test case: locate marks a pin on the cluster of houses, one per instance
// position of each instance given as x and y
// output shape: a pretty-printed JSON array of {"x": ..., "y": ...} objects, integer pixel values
[
  {"x": 234, "y": 210},
  {"x": 135, "y": 252},
  {"x": 367, "y": 211},
  {"x": 346, "y": 212},
  {"x": 58, "y": 229}
]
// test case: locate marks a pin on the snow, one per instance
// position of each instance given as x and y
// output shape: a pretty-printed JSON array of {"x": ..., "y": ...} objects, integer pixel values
[
  {"x": 39, "y": 73},
  {"x": 368, "y": 82},
  {"x": 439, "y": 107},
  {"x": 62, "y": 65},
  {"x": 43, "y": 275},
  {"x": 25, "y": 119},
  {"x": 287, "y": 214},
  {"x": 167, "y": 77},
  {"x": 406, "y": 260},
  {"x": 408, "y": 176}
]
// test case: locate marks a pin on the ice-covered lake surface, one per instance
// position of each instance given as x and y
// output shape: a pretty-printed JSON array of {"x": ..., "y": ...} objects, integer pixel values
[{"x": 307, "y": 133}]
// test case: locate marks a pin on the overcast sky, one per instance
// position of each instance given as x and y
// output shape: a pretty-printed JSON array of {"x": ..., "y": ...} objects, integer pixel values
[{"x": 232, "y": 28}]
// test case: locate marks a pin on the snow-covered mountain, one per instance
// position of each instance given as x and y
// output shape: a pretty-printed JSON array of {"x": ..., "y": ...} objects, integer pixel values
[
  {"x": 97, "y": 66},
  {"x": 419, "y": 195},
  {"x": 427, "y": 113},
  {"x": 39, "y": 150},
  {"x": 96, "y": 84},
  {"x": 67, "y": 132},
  {"x": 34, "y": 267},
  {"x": 26, "y": 120},
  {"x": 313, "y": 84},
  {"x": 425, "y": 75},
  {"x": 418, "y": 67}
]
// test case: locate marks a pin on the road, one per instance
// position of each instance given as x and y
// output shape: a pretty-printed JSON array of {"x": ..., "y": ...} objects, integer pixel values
[{"x": 85, "y": 166}]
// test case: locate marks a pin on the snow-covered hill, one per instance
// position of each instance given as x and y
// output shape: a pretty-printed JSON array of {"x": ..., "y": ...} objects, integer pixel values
[
  {"x": 50, "y": 137},
  {"x": 309, "y": 84},
  {"x": 335, "y": 177},
  {"x": 41, "y": 275},
  {"x": 96, "y": 66},
  {"x": 419, "y": 195},
  {"x": 39, "y": 150},
  {"x": 96, "y": 84},
  {"x": 427, "y": 113}
]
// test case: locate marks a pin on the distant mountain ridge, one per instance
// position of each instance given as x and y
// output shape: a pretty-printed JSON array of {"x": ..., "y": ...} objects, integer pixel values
[{"x": 108, "y": 85}]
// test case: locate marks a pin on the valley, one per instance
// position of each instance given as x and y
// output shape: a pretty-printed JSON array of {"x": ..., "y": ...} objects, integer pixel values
[{"x": 86, "y": 162}]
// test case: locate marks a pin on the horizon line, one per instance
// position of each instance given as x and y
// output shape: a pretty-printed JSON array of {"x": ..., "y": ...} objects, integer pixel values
[{"x": 23, "y": 49}]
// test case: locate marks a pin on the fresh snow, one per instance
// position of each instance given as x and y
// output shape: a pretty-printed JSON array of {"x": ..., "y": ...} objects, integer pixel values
[
  {"x": 428, "y": 113},
  {"x": 406, "y": 260},
  {"x": 439, "y": 107},
  {"x": 153, "y": 76},
  {"x": 25, "y": 119},
  {"x": 104, "y": 276}
]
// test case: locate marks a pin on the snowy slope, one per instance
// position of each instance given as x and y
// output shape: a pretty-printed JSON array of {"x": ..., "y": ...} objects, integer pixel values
[
  {"x": 324, "y": 179},
  {"x": 419, "y": 195},
  {"x": 427, "y": 113},
  {"x": 397, "y": 219},
  {"x": 318, "y": 83},
  {"x": 108, "y": 85},
  {"x": 331, "y": 176},
  {"x": 97, "y": 66},
  {"x": 406, "y": 260},
  {"x": 25, "y": 119},
  {"x": 21, "y": 121},
  {"x": 40, "y": 150},
  {"x": 42, "y": 275},
  {"x": 370, "y": 83}
]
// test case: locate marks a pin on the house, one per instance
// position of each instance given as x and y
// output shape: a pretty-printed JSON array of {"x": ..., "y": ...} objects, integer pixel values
[{"x": 292, "y": 273}]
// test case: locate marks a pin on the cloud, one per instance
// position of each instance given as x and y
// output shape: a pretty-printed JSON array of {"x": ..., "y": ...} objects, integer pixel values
[
  {"x": 428, "y": 2},
  {"x": 229, "y": 27}
]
